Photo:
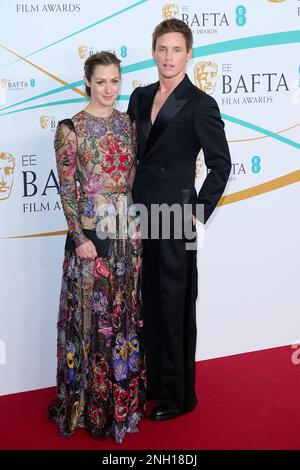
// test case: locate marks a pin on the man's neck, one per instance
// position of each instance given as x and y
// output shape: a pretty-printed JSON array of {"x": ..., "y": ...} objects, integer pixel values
[{"x": 168, "y": 85}]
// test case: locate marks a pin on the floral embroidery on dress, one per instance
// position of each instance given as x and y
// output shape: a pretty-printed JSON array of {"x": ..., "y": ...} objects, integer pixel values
[{"x": 101, "y": 379}]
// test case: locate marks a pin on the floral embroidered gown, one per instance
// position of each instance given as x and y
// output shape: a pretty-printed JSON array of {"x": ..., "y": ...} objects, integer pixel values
[{"x": 101, "y": 369}]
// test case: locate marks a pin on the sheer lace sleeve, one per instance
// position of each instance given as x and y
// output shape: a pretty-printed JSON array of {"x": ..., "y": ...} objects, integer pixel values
[{"x": 66, "y": 159}]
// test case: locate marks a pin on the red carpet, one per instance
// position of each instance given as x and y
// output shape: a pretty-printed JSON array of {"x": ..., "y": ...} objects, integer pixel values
[{"x": 247, "y": 401}]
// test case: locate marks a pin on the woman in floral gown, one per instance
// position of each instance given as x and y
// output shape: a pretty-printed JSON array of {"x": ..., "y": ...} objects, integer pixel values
[{"x": 101, "y": 369}]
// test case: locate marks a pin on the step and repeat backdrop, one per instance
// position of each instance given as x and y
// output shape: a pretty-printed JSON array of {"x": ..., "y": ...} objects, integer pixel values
[{"x": 246, "y": 55}]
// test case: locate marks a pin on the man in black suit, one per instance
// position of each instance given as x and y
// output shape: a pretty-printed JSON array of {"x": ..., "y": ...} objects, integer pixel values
[{"x": 174, "y": 121}]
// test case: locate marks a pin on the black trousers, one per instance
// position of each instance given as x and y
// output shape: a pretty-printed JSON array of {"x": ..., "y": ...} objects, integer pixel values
[{"x": 169, "y": 292}]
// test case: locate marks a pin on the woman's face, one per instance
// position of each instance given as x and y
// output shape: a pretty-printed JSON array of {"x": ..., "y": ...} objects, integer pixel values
[{"x": 104, "y": 84}]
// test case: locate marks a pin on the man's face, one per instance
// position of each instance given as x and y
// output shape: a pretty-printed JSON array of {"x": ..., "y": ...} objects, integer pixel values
[
  {"x": 7, "y": 166},
  {"x": 171, "y": 55},
  {"x": 206, "y": 76}
]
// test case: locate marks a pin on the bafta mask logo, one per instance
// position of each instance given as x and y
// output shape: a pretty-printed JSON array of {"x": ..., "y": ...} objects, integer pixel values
[
  {"x": 7, "y": 168},
  {"x": 199, "y": 164},
  {"x": 3, "y": 83},
  {"x": 83, "y": 52},
  {"x": 3, "y": 86},
  {"x": 169, "y": 11},
  {"x": 44, "y": 122},
  {"x": 135, "y": 84},
  {"x": 206, "y": 76}
]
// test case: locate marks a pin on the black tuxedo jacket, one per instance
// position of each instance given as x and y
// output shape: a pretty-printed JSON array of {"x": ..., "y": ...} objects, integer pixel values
[{"x": 188, "y": 121}]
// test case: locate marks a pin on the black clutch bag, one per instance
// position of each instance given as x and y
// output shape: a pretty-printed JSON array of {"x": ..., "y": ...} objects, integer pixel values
[{"x": 103, "y": 245}]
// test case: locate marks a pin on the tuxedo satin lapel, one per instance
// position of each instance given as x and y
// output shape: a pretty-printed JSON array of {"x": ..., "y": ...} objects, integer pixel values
[
  {"x": 168, "y": 111},
  {"x": 146, "y": 101}
]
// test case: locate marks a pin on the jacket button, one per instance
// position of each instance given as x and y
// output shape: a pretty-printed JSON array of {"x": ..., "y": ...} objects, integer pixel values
[{"x": 162, "y": 169}]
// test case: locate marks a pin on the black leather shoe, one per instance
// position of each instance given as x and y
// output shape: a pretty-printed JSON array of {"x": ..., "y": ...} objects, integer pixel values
[{"x": 162, "y": 414}]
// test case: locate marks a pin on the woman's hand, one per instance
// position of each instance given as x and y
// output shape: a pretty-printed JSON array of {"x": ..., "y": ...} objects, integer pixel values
[{"x": 87, "y": 250}]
